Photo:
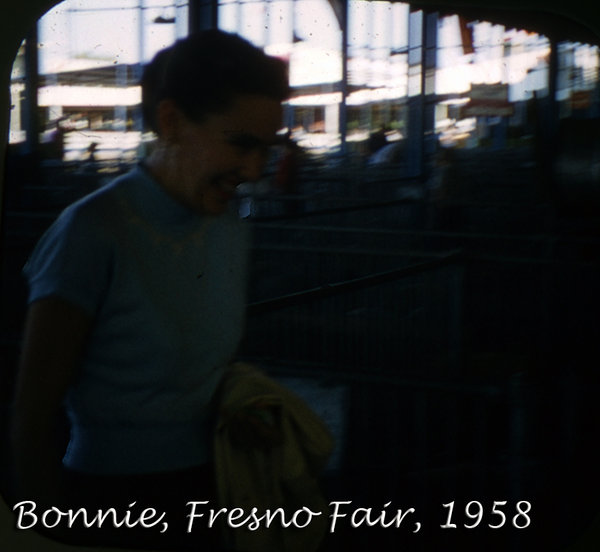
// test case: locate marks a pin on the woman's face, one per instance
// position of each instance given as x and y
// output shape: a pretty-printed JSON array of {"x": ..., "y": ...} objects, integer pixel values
[{"x": 208, "y": 160}]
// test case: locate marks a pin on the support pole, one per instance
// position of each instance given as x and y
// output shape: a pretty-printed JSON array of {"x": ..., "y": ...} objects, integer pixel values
[
  {"x": 203, "y": 15},
  {"x": 343, "y": 117},
  {"x": 422, "y": 60},
  {"x": 30, "y": 111}
]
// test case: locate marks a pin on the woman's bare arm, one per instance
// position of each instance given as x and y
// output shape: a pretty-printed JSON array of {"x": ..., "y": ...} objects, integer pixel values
[{"x": 55, "y": 336}]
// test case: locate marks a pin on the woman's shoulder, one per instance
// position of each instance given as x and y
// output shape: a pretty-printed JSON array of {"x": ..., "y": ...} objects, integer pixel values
[{"x": 102, "y": 204}]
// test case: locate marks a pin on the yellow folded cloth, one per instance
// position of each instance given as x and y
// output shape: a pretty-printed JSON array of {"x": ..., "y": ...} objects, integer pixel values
[{"x": 281, "y": 476}]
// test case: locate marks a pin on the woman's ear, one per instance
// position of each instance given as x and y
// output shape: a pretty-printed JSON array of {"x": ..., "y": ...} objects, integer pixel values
[{"x": 168, "y": 118}]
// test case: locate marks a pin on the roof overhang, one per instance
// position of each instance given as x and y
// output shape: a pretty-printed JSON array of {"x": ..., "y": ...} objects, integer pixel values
[{"x": 574, "y": 21}]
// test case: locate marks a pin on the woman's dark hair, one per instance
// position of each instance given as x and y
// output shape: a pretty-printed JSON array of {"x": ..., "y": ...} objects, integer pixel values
[{"x": 205, "y": 72}]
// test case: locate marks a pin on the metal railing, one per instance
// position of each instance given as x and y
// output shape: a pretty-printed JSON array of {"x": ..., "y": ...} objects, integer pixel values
[{"x": 404, "y": 320}]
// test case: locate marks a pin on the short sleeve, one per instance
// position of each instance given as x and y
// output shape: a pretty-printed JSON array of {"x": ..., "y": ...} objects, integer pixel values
[{"x": 71, "y": 261}]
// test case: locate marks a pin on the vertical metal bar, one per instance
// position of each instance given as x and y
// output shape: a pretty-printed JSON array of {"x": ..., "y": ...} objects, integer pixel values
[
  {"x": 141, "y": 37},
  {"x": 480, "y": 444},
  {"x": 203, "y": 15},
  {"x": 455, "y": 292},
  {"x": 520, "y": 399},
  {"x": 452, "y": 432},
  {"x": 415, "y": 102},
  {"x": 30, "y": 111},
  {"x": 138, "y": 117},
  {"x": 421, "y": 117},
  {"x": 421, "y": 411},
  {"x": 569, "y": 401},
  {"x": 343, "y": 116},
  {"x": 551, "y": 127},
  {"x": 428, "y": 86}
]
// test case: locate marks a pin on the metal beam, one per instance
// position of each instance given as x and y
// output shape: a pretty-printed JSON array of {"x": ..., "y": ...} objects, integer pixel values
[
  {"x": 343, "y": 114},
  {"x": 30, "y": 111},
  {"x": 421, "y": 106},
  {"x": 203, "y": 15}
]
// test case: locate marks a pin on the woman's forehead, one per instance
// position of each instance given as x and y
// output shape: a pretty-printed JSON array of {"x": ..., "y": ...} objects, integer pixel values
[{"x": 254, "y": 116}]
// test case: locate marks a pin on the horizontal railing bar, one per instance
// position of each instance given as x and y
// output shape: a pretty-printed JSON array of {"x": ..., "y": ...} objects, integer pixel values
[
  {"x": 407, "y": 232},
  {"x": 328, "y": 376},
  {"x": 350, "y": 251},
  {"x": 334, "y": 210},
  {"x": 329, "y": 290}
]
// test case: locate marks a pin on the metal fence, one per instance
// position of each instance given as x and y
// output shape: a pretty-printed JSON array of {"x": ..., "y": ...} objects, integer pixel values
[
  {"x": 409, "y": 443},
  {"x": 373, "y": 339},
  {"x": 404, "y": 320}
]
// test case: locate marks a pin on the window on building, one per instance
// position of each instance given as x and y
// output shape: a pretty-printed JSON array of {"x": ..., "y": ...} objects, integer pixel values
[{"x": 90, "y": 54}]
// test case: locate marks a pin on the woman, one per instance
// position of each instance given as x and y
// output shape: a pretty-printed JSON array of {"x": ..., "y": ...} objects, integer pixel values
[{"x": 137, "y": 302}]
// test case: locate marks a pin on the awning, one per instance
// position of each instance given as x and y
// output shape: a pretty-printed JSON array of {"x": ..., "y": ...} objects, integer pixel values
[{"x": 573, "y": 21}]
